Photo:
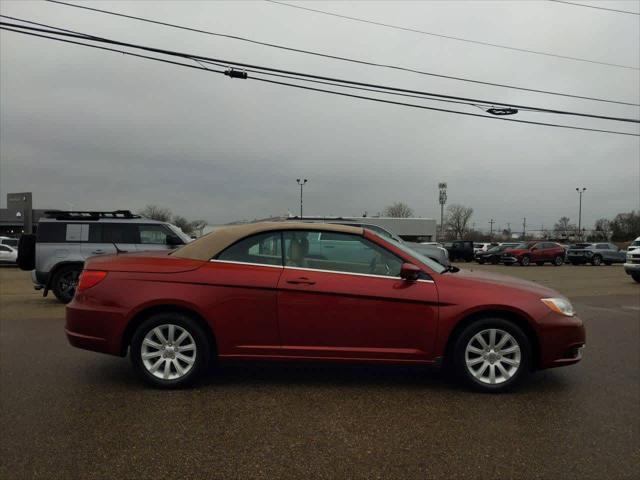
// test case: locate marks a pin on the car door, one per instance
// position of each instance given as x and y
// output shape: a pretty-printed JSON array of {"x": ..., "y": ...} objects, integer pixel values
[
  {"x": 6, "y": 254},
  {"x": 537, "y": 252},
  {"x": 346, "y": 308},
  {"x": 241, "y": 297},
  {"x": 152, "y": 237},
  {"x": 109, "y": 238}
]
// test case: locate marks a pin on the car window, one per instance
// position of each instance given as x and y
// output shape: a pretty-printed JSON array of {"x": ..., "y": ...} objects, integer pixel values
[
  {"x": 153, "y": 234},
  {"x": 4, "y": 249},
  {"x": 339, "y": 252},
  {"x": 119, "y": 233},
  {"x": 13, "y": 242},
  {"x": 263, "y": 249},
  {"x": 602, "y": 246}
]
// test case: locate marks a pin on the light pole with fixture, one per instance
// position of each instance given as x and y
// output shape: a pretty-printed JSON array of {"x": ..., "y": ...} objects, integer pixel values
[
  {"x": 301, "y": 183},
  {"x": 580, "y": 192},
  {"x": 442, "y": 199}
]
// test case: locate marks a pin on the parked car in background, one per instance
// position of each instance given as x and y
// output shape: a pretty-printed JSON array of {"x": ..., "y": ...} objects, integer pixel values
[
  {"x": 534, "y": 252},
  {"x": 483, "y": 247},
  {"x": 595, "y": 254},
  {"x": 632, "y": 265},
  {"x": 493, "y": 255},
  {"x": 257, "y": 291},
  {"x": 510, "y": 244},
  {"x": 64, "y": 241},
  {"x": 12, "y": 242},
  {"x": 460, "y": 250},
  {"x": 8, "y": 255},
  {"x": 433, "y": 250}
]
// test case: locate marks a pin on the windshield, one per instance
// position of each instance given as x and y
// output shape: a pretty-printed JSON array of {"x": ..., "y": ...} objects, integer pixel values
[
  {"x": 178, "y": 231},
  {"x": 432, "y": 264}
]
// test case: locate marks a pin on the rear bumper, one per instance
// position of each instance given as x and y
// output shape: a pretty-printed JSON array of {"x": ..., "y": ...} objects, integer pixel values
[{"x": 99, "y": 330}]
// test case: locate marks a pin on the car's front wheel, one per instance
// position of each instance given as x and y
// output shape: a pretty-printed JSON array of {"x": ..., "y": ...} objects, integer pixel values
[
  {"x": 492, "y": 355},
  {"x": 525, "y": 261},
  {"x": 597, "y": 260},
  {"x": 170, "y": 350},
  {"x": 558, "y": 261}
]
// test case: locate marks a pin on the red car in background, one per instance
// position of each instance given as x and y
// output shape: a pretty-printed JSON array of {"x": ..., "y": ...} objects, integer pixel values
[
  {"x": 315, "y": 292},
  {"x": 534, "y": 252}
]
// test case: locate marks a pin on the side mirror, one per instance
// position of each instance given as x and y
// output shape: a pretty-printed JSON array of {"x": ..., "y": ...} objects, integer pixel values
[
  {"x": 409, "y": 272},
  {"x": 173, "y": 241}
]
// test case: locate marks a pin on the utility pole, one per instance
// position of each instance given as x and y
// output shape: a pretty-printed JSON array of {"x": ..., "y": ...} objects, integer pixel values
[
  {"x": 491, "y": 222},
  {"x": 580, "y": 192},
  {"x": 301, "y": 183},
  {"x": 442, "y": 199},
  {"x": 524, "y": 227}
]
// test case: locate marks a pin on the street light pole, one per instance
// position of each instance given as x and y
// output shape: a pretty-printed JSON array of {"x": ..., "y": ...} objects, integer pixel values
[
  {"x": 301, "y": 183},
  {"x": 580, "y": 192},
  {"x": 442, "y": 200}
]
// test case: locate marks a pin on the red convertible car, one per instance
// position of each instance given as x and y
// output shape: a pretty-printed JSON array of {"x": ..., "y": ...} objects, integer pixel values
[{"x": 315, "y": 292}]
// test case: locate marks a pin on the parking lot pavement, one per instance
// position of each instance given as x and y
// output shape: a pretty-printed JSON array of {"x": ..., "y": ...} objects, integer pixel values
[{"x": 66, "y": 413}]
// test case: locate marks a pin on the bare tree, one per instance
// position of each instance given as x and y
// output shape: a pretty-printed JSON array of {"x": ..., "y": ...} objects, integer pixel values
[
  {"x": 183, "y": 224},
  {"x": 458, "y": 217},
  {"x": 155, "y": 212},
  {"x": 625, "y": 226},
  {"x": 563, "y": 228},
  {"x": 398, "y": 210},
  {"x": 601, "y": 230}
]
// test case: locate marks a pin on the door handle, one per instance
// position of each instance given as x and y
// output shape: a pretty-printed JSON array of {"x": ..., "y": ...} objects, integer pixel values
[{"x": 301, "y": 281}]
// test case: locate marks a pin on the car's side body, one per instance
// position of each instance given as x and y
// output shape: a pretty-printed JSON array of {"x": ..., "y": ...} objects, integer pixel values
[
  {"x": 534, "y": 252},
  {"x": 595, "y": 253},
  {"x": 8, "y": 254},
  {"x": 287, "y": 312}
]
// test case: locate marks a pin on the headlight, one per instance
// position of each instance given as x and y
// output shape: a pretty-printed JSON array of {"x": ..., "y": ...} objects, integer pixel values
[{"x": 559, "y": 305}]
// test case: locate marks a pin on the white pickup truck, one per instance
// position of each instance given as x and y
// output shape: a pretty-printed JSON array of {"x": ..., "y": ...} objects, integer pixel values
[{"x": 632, "y": 265}]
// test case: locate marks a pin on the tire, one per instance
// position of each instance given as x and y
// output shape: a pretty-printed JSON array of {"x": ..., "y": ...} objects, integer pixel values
[
  {"x": 596, "y": 260},
  {"x": 539, "y": 263},
  {"x": 525, "y": 261},
  {"x": 636, "y": 276},
  {"x": 479, "y": 377},
  {"x": 185, "y": 365},
  {"x": 64, "y": 282},
  {"x": 558, "y": 261}
]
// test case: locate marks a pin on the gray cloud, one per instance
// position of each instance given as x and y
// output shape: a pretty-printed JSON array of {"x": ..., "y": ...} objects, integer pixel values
[{"x": 101, "y": 130}]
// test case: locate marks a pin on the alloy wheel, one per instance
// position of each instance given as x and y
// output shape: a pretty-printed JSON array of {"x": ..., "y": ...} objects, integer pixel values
[
  {"x": 493, "y": 356},
  {"x": 168, "y": 352}
]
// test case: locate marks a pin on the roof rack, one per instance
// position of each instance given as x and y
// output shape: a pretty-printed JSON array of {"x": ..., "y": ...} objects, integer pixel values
[{"x": 80, "y": 215}]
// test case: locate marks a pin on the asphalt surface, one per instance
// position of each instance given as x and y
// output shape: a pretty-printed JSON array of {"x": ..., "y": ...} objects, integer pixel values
[{"x": 71, "y": 414}]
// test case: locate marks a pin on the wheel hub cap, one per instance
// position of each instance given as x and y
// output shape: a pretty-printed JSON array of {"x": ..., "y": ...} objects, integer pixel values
[
  {"x": 493, "y": 356},
  {"x": 168, "y": 352}
]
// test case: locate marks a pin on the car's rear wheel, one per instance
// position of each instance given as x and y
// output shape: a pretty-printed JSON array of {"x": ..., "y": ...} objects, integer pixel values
[
  {"x": 492, "y": 355},
  {"x": 65, "y": 281},
  {"x": 525, "y": 261},
  {"x": 170, "y": 350},
  {"x": 596, "y": 260},
  {"x": 558, "y": 261},
  {"x": 636, "y": 276}
]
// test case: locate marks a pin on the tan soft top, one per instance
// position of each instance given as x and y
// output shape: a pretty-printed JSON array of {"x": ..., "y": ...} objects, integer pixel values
[{"x": 207, "y": 247}]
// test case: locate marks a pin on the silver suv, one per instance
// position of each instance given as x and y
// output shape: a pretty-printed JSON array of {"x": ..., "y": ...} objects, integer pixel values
[{"x": 64, "y": 240}]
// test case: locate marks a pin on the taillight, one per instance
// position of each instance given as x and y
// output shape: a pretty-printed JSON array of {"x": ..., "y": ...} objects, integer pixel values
[{"x": 90, "y": 278}]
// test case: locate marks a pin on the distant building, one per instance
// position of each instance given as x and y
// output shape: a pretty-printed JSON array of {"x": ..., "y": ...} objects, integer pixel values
[{"x": 11, "y": 221}]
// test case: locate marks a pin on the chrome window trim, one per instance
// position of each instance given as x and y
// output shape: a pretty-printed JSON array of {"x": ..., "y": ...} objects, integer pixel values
[
  {"x": 352, "y": 273},
  {"x": 246, "y": 263}
]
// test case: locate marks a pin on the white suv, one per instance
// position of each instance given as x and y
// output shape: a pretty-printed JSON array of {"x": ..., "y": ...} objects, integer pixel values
[
  {"x": 64, "y": 240},
  {"x": 632, "y": 265}
]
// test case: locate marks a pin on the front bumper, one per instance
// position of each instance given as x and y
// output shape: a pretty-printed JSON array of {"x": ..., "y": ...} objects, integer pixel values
[
  {"x": 630, "y": 268},
  {"x": 562, "y": 341}
]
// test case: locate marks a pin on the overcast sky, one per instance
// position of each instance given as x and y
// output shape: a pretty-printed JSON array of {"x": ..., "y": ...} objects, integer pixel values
[{"x": 99, "y": 130}]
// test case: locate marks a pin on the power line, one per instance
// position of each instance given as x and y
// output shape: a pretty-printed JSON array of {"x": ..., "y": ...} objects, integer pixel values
[
  {"x": 319, "y": 77},
  {"x": 334, "y": 57},
  {"x": 575, "y": 4},
  {"x": 4, "y": 27},
  {"x": 451, "y": 37}
]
